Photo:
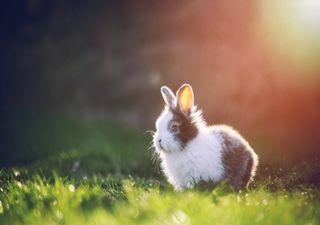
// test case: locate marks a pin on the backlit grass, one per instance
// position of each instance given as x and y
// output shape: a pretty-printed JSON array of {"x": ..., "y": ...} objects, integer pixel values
[{"x": 101, "y": 173}]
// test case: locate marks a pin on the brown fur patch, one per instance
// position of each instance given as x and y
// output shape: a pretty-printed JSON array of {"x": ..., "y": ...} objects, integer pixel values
[
  {"x": 237, "y": 161},
  {"x": 188, "y": 128}
]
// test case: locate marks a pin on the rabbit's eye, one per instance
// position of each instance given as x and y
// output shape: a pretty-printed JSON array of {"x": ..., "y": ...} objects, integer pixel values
[{"x": 174, "y": 128}]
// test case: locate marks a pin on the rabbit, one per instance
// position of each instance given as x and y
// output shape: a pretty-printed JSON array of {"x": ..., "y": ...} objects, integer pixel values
[{"x": 191, "y": 152}]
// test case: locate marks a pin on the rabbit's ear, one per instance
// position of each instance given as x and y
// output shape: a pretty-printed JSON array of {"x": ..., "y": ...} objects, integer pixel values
[
  {"x": 185, "y": 98},
  {"x": 168, "y": 96}
]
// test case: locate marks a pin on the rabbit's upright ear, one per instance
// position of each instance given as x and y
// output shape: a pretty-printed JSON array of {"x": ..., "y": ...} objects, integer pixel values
[
  {"x": 168, "y": 97},
  {"x": 185, "y": 99}
]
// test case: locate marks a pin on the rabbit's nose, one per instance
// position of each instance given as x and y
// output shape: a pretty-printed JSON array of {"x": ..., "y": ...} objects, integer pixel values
[{"x": 159, "y": 140}]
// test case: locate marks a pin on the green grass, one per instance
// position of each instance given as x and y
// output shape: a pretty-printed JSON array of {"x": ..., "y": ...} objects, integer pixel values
[{"x": 71, "y": 172}]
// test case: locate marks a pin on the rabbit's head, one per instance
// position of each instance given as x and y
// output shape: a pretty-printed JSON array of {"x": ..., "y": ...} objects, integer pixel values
[{"x": 179, "y": 122}]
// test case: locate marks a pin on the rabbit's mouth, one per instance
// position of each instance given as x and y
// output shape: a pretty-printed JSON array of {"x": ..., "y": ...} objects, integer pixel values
[{"x": 161, "y": 147}]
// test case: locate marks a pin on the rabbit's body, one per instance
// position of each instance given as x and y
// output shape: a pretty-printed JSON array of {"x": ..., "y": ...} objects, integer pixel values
[
  {"x": 199, "y": 160},
  {"x": 192, "y": 152}
]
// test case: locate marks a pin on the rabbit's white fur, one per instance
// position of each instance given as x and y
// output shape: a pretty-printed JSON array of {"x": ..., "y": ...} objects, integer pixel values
[{"x": 201, "y": 158}]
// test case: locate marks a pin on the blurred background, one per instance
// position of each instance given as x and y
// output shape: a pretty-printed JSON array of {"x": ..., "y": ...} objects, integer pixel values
[{"x": 254, "y": 65}]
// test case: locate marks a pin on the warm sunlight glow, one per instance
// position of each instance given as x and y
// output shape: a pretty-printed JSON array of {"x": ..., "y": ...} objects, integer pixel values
[
  {"x": 310, "y": 13},
  {"x": 290, "y": 30}
]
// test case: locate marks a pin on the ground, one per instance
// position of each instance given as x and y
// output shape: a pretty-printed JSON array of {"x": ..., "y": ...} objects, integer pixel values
[{"x": 71, "y": 172}]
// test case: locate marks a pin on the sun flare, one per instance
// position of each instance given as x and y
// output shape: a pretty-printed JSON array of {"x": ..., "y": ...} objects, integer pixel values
[{"x": 290, "y": 31}]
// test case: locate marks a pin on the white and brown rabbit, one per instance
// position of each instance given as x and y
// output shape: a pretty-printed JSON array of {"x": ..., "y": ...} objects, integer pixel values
[{"x": 192, "y": 152}]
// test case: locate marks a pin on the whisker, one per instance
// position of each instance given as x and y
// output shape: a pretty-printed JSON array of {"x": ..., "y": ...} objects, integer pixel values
[
  {"x": 149, "y": 145},
  {"x": 150, "y": 132},
  {"x": 155, "y": 156},
  {"x": 150, "y": 142},
  {"x": 155, "y": 159}
]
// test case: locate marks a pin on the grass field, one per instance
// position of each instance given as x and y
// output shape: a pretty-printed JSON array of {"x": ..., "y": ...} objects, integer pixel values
[{"x": 71, "y": 172}]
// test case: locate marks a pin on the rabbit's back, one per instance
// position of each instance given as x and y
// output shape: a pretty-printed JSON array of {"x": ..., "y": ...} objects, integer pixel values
[{"x": 238, "y": 158}]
